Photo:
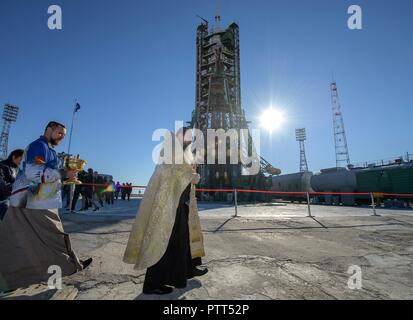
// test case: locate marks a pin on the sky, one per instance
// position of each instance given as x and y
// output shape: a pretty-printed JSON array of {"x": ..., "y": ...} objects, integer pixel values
[{"x": 131, "y": 65}]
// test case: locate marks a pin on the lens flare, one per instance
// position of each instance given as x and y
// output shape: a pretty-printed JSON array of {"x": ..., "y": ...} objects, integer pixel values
[{"x": 272, "y": 119}]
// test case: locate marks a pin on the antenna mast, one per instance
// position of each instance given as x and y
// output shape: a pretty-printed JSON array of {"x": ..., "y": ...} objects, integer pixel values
[
  {"x": 340, "y": 140},
  {"x": 217, "y": 26}
]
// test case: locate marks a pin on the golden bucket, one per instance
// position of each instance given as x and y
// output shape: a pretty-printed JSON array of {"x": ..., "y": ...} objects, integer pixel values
[{"x": 74, "y": 163}]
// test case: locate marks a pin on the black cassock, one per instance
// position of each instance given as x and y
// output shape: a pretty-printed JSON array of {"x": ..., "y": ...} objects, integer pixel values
[{"x": 176, "y": 265}]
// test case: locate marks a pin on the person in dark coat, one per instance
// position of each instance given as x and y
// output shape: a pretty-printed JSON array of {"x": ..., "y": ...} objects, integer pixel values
[
  {"x": 89, "y": 189},
  {"x": 128, "y": 190},
  {"x": 123, "y": 191},
  {"x": 78, "y": 191},
  {"x": 99, "y": 187},
  {"x": 66, "y": 196},
  {"x": 8, "y": 172}
]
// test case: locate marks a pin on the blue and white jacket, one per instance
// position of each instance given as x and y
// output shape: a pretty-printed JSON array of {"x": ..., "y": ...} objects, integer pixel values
[{"x": 38, "y": 182}]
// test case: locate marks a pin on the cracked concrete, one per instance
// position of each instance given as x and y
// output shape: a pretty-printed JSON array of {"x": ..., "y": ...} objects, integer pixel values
[{"x": 265, "y": 253}]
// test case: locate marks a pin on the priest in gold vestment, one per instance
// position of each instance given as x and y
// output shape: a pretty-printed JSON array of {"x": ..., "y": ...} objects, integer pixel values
[{"x": 166, "y": 237}]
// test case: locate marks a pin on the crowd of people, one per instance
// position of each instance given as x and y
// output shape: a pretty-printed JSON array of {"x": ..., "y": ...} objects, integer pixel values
[
  {"x": 95, "y": 190},
  {"x": 125, "y": 190}
]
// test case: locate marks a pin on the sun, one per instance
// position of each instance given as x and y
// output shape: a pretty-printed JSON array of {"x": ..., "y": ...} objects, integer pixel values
[{"x": 272, "y": 119}]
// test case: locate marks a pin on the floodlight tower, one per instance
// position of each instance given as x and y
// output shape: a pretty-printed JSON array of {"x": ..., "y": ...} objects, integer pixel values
[
  {"x": 340, "y": 140},
  {"x": 301, "y": 136},
  {"x": 9, "y": 115}
]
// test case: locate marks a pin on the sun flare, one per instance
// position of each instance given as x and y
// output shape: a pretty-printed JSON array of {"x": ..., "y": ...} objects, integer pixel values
[{"x": 272, "y": 119}]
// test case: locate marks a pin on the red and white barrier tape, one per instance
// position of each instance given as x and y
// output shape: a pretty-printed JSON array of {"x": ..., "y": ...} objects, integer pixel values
[{"x": 377, "y": 194}]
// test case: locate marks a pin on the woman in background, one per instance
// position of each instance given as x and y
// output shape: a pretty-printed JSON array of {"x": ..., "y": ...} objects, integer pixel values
[{"x": 8, "y": 172}]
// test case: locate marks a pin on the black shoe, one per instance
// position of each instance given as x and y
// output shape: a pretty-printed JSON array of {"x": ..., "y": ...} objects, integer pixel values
[
  {"x": 6, "y": 292},
  {"x": 86, "y": 263},
  {"x": 161, "y": 290},
  {"x": 197, "y": 272},
  {"x": 96, "y": 209}
]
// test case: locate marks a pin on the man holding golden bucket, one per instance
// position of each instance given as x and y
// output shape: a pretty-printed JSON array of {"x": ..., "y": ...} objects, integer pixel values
[{"x": 32, "y": 238}]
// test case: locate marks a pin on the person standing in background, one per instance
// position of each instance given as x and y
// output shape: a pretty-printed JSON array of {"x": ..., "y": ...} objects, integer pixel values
[
  {"x": 128, "y": 189},
  {"x": 99, "y": 187},
  {"x": 78, "y": 192},
  {"x": 117, "y": 190},
  {"x": 66, "y": 196},
  {"x": 89, "y": 190},
  {"x": 123, "y": 191},
  {"x": 8, "y": 173},
  {"x": 110, "y": 191}
]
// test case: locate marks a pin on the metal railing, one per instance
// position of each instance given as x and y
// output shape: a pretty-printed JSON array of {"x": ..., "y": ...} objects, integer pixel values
[
  {"x": 235, "y": 191},
  {"x": 372, "y": 196}
]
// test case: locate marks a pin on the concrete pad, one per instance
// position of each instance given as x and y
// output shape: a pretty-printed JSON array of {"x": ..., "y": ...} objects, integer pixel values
[{"x": 268, "y": 252}]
